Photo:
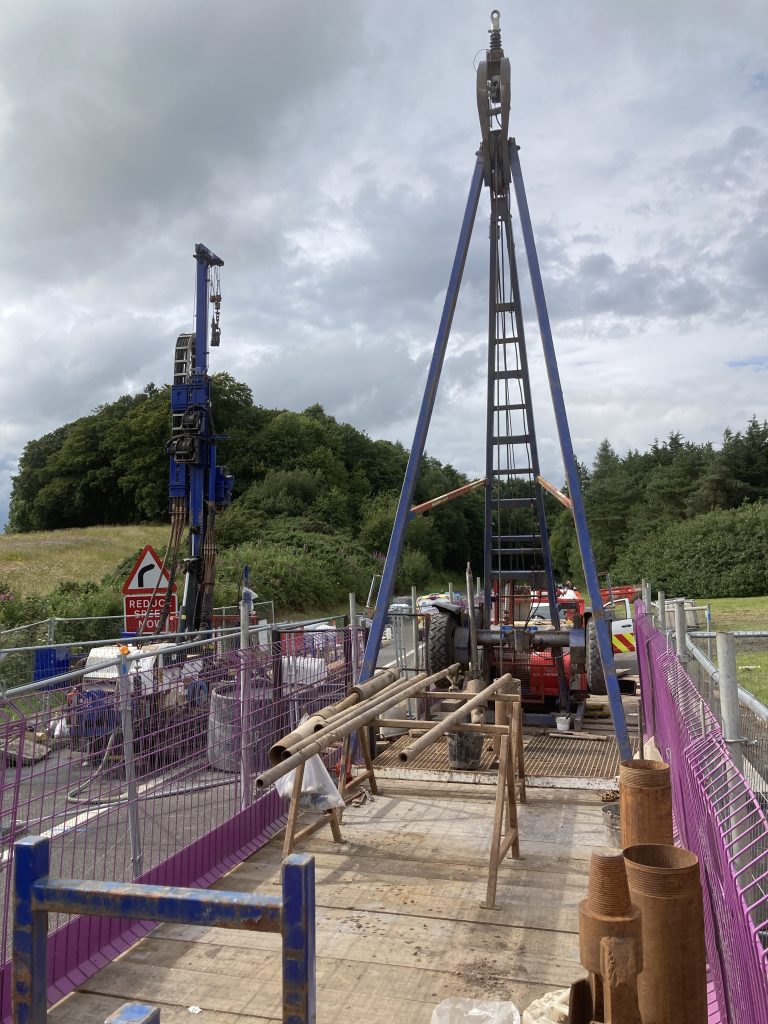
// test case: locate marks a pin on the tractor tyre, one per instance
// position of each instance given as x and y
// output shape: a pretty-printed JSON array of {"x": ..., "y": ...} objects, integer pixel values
[
  {"x": 442, "y": 626},
  {"x": 595, "y": 674}
]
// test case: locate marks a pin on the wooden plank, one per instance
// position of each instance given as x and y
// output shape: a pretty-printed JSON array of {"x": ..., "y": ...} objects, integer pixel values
[
  {"x": 453, "y": 903},
  {"x": 377, "y": 1005},
  {"x": 414, "y": 983},
  {"x": 368, "y": 937},
  {"x": 255, "y": 975},
  {"x": 399, "y": 921},
  {"x": 560, "y": 878},
  {"x": 573, "y": 735}
]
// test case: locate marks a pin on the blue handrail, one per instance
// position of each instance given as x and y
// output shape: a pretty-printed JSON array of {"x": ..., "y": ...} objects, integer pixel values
[{"x": 36, "y": 895}]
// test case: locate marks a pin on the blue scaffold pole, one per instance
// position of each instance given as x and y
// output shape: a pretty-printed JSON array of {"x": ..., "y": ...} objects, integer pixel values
[
  {"x": 422, "y": 426},
  {"x": 602, "y": 629}
]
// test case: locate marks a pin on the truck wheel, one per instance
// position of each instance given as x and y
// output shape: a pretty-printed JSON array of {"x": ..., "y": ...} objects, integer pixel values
[
  {"x": 442, "y": 626},
  {"x": 595, "y": 674}
]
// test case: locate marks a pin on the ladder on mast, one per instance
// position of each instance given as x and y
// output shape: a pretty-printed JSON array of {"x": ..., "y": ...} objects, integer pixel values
[{"x": 513, "y": 553}]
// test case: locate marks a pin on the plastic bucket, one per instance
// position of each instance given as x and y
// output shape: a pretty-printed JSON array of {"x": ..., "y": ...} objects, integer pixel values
[
  {"x": 465, "y": 750},
  {"x": 563, "y": 723}
]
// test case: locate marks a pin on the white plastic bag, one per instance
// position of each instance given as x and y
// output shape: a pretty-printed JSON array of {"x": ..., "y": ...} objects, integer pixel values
[
  {"x": 318, "y": 791},
  {"x": 474, "y": 1011},
  {"x": 551, "y": 1008},
  {"x": 60, "y": 729}
]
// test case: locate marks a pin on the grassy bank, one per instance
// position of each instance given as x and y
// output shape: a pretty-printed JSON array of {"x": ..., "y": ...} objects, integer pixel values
[
  {"x": 35, "y": 563},
  {"x": 747, "y": 613},
  {"x": 730, "y": 613}
]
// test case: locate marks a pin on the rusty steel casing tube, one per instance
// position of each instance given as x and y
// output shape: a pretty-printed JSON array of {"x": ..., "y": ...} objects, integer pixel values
[
  {"x": 440, "y": 728},
  {"x": 334, "y": 732},
  {"x": 607, "y": 910},
  {"x": 608, "y": 914},
  {"x": 280, "y": 750},
  {"x": 646, "y": 803},
  {"x": 312, "y": 728},
  {"x": 665, "y": 885}
]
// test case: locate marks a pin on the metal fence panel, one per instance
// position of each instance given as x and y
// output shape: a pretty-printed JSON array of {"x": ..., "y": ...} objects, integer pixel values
[
  {"x": 719, "y": 818},
  {"x": 190, "y": 812},
  {"x": 752, "y": 668}
]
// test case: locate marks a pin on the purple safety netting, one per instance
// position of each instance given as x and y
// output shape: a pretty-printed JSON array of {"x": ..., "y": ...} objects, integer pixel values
[
  {"x": 720, "y": 819},
  {"x": 190, "y": 818}
]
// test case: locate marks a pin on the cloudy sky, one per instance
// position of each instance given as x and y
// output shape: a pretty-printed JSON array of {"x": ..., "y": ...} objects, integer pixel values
[{"x": 324, "y": 150}]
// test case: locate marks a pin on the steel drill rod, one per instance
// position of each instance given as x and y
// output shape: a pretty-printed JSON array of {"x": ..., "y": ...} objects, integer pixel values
[
  {"x": 325, "y": 738},
  {"x": 445, "y": 725},
  {"x": 411, "y": 726},
  {"x": 471, "y": 615},
  {"x": 359, "y": 695},
  {"x": 396, "y": 688},
  {"x": 318, "y": 720}
]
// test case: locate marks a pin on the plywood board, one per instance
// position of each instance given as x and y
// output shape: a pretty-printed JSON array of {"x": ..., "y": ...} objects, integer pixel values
[{"x": 399, "y": 921}]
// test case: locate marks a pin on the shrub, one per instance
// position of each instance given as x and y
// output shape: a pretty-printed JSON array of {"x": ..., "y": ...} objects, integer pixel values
[
  {"x": 415, "y": 570},
  {"x": 721, "y": 554}
]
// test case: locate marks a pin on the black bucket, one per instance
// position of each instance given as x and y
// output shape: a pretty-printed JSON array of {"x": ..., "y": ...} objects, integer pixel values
[{"x": 465, "y": 750}]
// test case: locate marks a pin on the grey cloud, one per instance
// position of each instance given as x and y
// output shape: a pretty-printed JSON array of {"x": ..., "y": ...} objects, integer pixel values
[{"x": 325, "y": 150}]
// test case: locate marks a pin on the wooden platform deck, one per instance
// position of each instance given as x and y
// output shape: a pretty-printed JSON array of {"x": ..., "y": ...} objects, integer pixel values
[{"x": 400, "y": 926}]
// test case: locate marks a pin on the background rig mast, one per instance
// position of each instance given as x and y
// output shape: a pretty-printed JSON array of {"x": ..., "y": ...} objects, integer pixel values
[{"x": 198, "y": 488}]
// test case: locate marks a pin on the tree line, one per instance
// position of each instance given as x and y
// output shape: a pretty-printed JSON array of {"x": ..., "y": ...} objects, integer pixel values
[
  {"x": 306, "y": 487},
  {"x": 690, "y": 517},
  {"x": 310, "y": 491}
]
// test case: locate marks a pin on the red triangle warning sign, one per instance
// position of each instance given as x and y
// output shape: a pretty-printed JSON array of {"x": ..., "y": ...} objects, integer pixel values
[{"x": 147, "y": 575}]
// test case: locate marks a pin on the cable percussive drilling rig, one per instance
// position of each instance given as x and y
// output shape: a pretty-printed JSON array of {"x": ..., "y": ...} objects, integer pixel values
[{"x": 517, "y": 558}]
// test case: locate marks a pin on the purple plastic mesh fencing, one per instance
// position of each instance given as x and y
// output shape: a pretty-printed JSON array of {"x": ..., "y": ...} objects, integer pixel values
[
  {"x": 191, "y": 812},
  {"x": 720, "y": 819}
]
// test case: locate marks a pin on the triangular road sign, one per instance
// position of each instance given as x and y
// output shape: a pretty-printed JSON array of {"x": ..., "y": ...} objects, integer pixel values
[{"x": 147, "y": 574}]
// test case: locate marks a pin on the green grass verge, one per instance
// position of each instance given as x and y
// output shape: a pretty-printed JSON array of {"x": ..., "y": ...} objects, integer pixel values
[
  {"x": 729, "y": 613},
  {"x": 747, "y": 613},
  {"x": 35, "y": 563},
  {"x": 752, "y": 667}
]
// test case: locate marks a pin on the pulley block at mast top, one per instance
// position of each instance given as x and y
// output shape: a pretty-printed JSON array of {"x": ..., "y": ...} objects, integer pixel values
[{"x": 493, "y": 95}]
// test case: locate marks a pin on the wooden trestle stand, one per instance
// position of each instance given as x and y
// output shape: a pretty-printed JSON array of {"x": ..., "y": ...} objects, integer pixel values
[
  {"x": 507, "y": 736},
  {"x": 332, "y": 817},
  {"x": 511, "y": 781}
]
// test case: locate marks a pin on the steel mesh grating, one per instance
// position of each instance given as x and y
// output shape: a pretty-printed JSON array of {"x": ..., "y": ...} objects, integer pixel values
[
  {"x": 573, "y": 757},
  {"x": 545, "y": 756}
]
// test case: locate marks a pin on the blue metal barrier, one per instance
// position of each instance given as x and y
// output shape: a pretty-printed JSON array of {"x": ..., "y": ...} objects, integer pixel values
[{"x": 36, "y": 895}]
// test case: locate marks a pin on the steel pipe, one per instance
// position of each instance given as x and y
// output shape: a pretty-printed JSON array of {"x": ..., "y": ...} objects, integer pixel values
[
  {"x": 665, "y": 886},
  {"x": 645, "y": 793},
  {"x": 473, "y": 648},
  {"x": 280, "y": 750},
  {"x": 440, "y": 728},
  {"x": 308, "y": 730},
  {"x": 334, "y": 734}
]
